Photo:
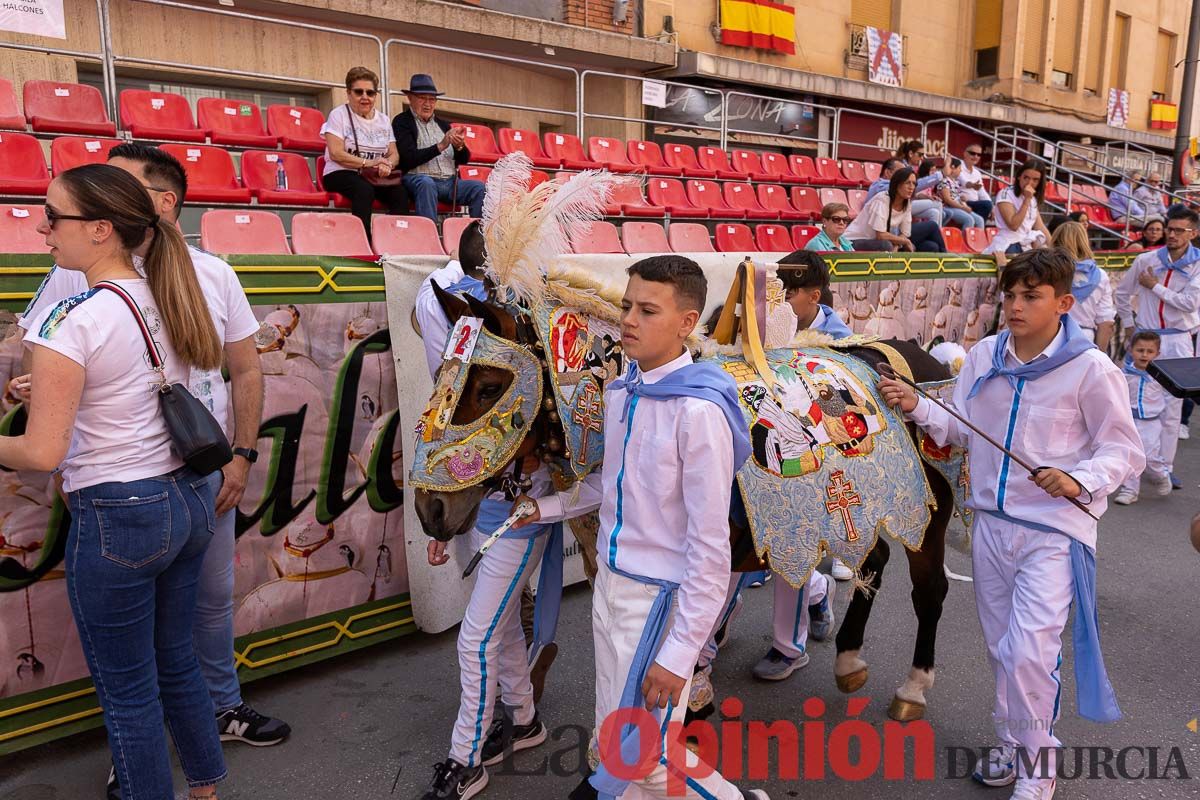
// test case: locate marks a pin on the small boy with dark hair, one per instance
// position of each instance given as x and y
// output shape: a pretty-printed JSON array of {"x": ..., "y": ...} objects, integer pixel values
[
  {"x": 674, "y": 437},
  {"x": 1043, "y": 390},
  {"x": 1147, "y": 399}
]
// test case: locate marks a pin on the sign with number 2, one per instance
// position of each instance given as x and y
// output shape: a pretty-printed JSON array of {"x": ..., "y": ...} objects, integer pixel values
[{"x": 462, "y": 339}]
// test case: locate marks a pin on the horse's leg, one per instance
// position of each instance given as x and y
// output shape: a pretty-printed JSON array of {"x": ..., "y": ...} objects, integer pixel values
[
  {"x": 849, "y": 670},
  {"x": 927, "y": 569}
]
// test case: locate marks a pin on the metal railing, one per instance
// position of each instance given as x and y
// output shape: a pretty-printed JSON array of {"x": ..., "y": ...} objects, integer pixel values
[{"x": 585, "y": 115}]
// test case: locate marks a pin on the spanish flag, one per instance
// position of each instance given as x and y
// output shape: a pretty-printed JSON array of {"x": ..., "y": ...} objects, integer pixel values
[{"x": 758, "y": 23}]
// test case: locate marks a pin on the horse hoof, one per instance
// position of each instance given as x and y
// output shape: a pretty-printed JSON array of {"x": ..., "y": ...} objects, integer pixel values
[
  {"x": 905, "y": 710},
  {"x": 848, "y": 684}
]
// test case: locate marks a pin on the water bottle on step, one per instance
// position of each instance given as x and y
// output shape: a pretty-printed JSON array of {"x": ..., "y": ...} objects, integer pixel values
[{"x": 281, "y": 180}]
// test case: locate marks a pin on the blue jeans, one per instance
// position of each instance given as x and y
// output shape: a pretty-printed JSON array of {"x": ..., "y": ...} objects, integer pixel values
[
  {"x": 964, "y": 219},
  {"x": 133, "y": 562},
  {"x": 214, "y": 613},
  {"x": 426, "y": 191}
]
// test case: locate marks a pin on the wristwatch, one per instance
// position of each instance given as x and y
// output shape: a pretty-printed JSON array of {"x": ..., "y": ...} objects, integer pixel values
[{"x": 248, "y": 453}]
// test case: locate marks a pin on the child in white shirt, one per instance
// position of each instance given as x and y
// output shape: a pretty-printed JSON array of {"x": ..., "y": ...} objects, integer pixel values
[{"x": 1147, "y": 399}]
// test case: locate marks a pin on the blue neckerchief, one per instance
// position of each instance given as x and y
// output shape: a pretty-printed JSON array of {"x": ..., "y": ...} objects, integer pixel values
[
  {"x": 1094, "y": 693},
  {"x": 833, "y": 324},
  {"x": 1091, "y": 274},
  {"x": 472, "y": 286},
  {"x": 550, "y": 581},
  {"x": 703, "y": 380},
  {"x": 1077, "y": 342},
  {"x": 1186, "y": 260}
]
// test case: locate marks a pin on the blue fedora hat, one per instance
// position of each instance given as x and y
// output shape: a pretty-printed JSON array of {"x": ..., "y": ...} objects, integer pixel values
[{"x": 422, "y": 84}]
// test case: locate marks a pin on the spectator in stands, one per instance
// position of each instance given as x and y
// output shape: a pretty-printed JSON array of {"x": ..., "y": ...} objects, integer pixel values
[
  {"x": 1154, "y": 235},
  {"x": 1080, "y": 216},
  {"x": 140, "y": 519},
  {"x": 431, "y": 151},
  {"x": 360, "y": 151},
  {"x": 1123, "y": 205},
  {"x": 955, "y": 210},
  {"x": 911, "y": 153},
  {"x": 922, "y": 208},
  {"x": 1017, "y": 217},
  {"x": 970, "y": 182},
  {"x": 834, "y": 219},
  {"x": 1150, "y": 196},
  {"x": 887, "y": 218}
]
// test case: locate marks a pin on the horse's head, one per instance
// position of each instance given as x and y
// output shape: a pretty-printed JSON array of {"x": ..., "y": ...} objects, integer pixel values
[{"x": 486, "y": 424}]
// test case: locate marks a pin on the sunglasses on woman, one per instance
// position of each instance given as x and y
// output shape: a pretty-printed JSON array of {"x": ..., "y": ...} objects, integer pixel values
[
  {"x": 53, "y": 216},
  {"x": 838, "y": 220},
  {"x": 367, "y": 92}
]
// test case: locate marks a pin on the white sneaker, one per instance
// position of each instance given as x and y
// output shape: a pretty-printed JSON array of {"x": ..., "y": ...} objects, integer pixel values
[
  {"x": 1125, "y": 497},
  {"x": 840, "y": 571},
  {"x": 1000, "y": 768},
  {"x": 1184, "y": 433},
  {"x": 1033, "y": 789},
  {"x": 1160, "y": 485}
]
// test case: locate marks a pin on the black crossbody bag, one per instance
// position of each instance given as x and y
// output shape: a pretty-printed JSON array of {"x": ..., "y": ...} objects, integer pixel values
[{"x": 195, "y": 435}]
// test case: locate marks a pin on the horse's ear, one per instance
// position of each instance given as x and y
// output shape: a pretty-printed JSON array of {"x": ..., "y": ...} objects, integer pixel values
[
  {"x": 452, "y": 305},
  {"x": 495, "y": 321}
]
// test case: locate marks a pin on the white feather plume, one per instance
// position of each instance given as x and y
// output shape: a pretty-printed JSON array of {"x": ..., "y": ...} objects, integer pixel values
[{"x": 526, "y": 229}]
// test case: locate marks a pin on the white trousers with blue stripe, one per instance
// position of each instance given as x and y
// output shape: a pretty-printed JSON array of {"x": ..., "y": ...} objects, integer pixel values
[
  {"x": 620, "y": 607},
  {"x": 492, "y": 654},
  {"x": 1023, "y": 592},
  {"x": 790, "y": 618}
]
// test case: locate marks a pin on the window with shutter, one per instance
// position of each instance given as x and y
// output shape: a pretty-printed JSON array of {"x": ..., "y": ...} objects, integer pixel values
[
  {"x": 1097, "y": 30},
  {"x": 1034, "y": 38},
  {"x": 1119, "y": 52},
  {"x": 1066, "y": 35},
  {"x": 872, "y": 13},
  {"x": 1164, "y": 64}
]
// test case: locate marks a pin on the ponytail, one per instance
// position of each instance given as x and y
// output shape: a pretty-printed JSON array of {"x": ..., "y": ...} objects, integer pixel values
[{"x": 180, "y": 301}]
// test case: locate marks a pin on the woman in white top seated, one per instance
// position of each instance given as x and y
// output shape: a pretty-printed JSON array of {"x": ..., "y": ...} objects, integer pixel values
[
  {"x": 1017, "y": 217},
  {"x": 886, "y": 220},
  {"x": 140, "y": 519}
]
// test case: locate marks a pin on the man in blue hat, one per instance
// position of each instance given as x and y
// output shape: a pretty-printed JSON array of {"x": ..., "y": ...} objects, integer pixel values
[{"x": 431, "y": 151}]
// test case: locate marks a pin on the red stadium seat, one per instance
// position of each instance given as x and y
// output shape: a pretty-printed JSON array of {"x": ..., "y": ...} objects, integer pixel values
[
  {"x": 955, "y": 243},
  {"x": 872, "y": 169},
  {"x": 53, "y": 107},
  {"x": 976, "y": 239},
  {"x": 644, "y": 237},
  {"x": 669, "y": 194},
  {"x": 734, "y": 237},
  {"x": 259, "y": 173},
  {"x": 648, "y": 157},
  {"x": 834, "y": 196},
  {"x": 297, "y": 127},
  {"x": 318, "y": 233},
  {"x": 18, "y": 229},
  {"x": 569, "y": 150},
  {"x": 1099, "y": 215},
  {"x": 854, "y": 173},
  {"x": 210, "y": 174},
  {"x": 707, "y": 194},
  {"x": 537, "y": 177},
  {"x": 684, "y": 157},
  {"x": 472, "y": 173},
  {"x": 807, "y": 202},
  {"x": 741, "y": 196},
  {"x": 72, "y": 151},
  {"x": 481, "y": 142},
  {"x": 828, "y": 168},
  {"x": 158, "y": 115},
  {"x": 513, "y": 140},
  {"x": 775, "y": 198},
  {"x": 452, "y": 228},
  {"x": 611, "y": 153},
  {"x": 627, "y": 200},
  {"x": 11, "y": 117},
  {"x": 856, "y": 199},
  {"x": 235, "y": 122},
  {"x": 773, "y": 238},
  {"x": 803, "y": 234},
  {"x": 597, "y": 238},
  {"x": 804, "y": 168},
  {"x": 22, "y": 165},
  {"x": 991, "y": 233},
  {"x": 748, "y": 161},
  {"x": 776, "y": 167},
  {"x": 715, "y": 159},
  {"x": 1057, "y": 193},
  {"x": 689, "y": 237},
  {"x": 235, "y": 232},
  {"x": 405, "y": 236}
]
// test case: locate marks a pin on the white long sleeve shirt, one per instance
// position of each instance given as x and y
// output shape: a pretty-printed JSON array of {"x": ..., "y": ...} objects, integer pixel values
[
  {"x": 1097, "y": 308},
  {"x": 1075, "y": 418},
  {"x": 1147, "y": 398},
  {"x": 1172, "y": 303},
  {"x": 430, "y": 317},
  {"x": 663, "y": 494},
  {"x": 972, "y": 175}
]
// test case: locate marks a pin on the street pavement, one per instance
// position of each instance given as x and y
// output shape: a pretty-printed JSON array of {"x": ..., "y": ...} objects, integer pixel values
[{"x": 370, "y": 725}]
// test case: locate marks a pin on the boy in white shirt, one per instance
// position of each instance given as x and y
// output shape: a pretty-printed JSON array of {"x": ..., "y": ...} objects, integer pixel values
[
  {"x": 1044, "y": 390},
  {"x": 1146, "y": 400},
  {"x": 674, "y": 438}
]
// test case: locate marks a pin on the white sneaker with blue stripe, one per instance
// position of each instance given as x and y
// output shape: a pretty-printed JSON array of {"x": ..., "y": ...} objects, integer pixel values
[
  {"x": 999, "y": 768},
  {"x": 820, "y": 615}
]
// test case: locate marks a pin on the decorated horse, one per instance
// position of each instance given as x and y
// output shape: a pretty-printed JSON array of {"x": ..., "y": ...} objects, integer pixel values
[{"x": 833, "y": 470}]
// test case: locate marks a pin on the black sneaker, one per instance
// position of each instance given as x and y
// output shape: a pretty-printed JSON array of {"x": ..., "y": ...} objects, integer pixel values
[
  {"x": 504, "y": 738},
  {"x": 453, "y": 781},
  {"x": 113, "y": 790},
  {"x": 244, "y": 724}
]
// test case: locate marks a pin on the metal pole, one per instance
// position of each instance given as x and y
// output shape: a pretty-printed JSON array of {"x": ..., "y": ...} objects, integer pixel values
[{"x": 1187, "y": 98}]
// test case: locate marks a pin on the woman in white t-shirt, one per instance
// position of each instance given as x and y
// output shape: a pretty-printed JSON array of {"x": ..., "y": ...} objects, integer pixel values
[
  {"x": 140, "y": 519},
  {"x": 886, "y": 222},
  {"x": 1017, "y": 217},
  {"x": 360, "y": 151}
]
